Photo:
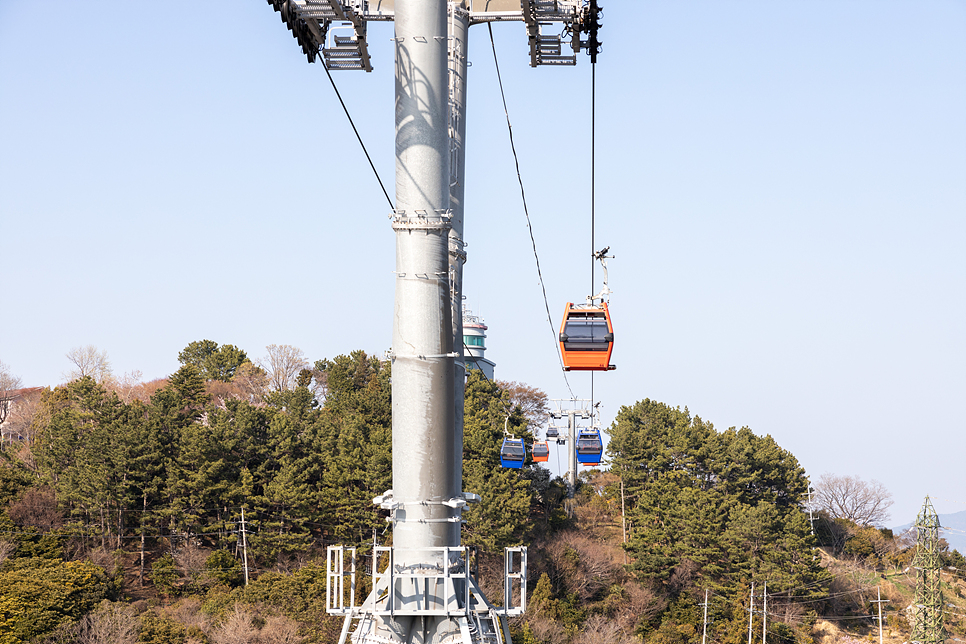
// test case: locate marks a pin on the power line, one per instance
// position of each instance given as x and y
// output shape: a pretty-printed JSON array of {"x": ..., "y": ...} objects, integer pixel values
[{"x": 485, "y": 377}]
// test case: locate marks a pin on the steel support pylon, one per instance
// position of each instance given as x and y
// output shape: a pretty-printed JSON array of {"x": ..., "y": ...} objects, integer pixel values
[
  {"x": 581, "y": 408},
  {"x": 426, "y": 593},
  {"x": 927, "y": 610}
]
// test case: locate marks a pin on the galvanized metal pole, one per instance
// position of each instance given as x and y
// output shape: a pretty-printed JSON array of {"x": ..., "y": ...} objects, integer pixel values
[
  {"x": 423, "y": 408},
  {"x": 572, "y": 451},
  {"x": 459, "y": 24}
]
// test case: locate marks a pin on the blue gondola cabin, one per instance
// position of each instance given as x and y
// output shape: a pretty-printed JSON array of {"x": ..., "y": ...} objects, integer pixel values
[
  {"x": 589, "y": 447},
  {"x": 513, "y": 453}
]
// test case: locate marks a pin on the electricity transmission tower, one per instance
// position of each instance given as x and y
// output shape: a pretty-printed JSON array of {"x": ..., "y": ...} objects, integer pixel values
[
  {"x": 422, "y": 589},
  {"x": 927, "y": 625}
]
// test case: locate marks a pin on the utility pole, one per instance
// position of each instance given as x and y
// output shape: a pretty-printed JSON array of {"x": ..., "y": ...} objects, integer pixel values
[
  {"x": 244, "y": 545},
  {"x": 704, "y": 629},
  {"x": 811, "y": 518},
  {"x": 624, "y": 530},
  {"x": 764, "y": 612},
  {"x": 879, "y": 601},
  {"x": 751, "y": 610}
]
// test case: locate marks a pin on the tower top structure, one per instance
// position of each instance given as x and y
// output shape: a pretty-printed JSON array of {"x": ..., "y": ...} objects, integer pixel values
[{"x": 335, "y": 31}]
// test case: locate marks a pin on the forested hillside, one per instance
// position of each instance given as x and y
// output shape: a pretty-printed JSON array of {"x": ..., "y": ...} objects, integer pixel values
[{"x": 128, "y": 513}]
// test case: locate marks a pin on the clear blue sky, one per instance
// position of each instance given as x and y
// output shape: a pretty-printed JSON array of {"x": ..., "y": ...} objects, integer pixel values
[{"x": 783, "y": 184}]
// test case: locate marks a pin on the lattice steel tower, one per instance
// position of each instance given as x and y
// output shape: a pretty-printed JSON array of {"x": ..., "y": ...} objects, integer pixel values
[{"x": 927, "y": 625}]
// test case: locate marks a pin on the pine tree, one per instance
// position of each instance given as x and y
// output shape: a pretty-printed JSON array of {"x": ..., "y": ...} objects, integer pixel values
[
  {"x": 502, "y": 517},
  {"x": 723, "y": 507}
]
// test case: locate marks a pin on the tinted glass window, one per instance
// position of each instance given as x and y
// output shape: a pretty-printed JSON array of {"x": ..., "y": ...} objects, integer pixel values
[{"x": 586, "y": 334}]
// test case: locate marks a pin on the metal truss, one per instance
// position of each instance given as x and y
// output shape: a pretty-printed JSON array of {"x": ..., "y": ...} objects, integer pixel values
[
  {"x": 337, "y": 28},
  {"x": 927, "y": 609},
  {"x": 343, "y": 46}
]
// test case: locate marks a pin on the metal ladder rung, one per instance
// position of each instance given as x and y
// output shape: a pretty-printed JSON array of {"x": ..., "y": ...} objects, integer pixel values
[
  {"x": 342, "y": 54},
  {"x": 562, "y": 60},
  {"x": 324, "y": 14}
]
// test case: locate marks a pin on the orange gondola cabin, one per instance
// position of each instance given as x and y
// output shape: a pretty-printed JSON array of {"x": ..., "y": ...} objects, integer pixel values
[
  {"x": 587, "y": 338},
  {"x": 540, "y": 452}
]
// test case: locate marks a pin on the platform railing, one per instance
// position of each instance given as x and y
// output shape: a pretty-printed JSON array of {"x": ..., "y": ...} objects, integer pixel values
[{"x": 445, "y": 588}]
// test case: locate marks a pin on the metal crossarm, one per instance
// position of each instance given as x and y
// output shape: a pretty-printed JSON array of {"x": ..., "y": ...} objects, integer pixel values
[
  {"x": 347, "y": 50},
  {"x": 350, "y": 50},
  {"x": 546, "y": 49}
]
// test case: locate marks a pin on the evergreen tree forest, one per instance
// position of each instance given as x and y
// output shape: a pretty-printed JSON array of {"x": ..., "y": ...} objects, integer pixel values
[{"x": 133, "y": 514}]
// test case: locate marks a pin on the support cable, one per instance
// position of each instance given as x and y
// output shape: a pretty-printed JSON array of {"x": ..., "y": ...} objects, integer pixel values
[
  {"x": 506, "y": 409},
  {"x": 593, "y": 199},
  {"x": 526, "y": 211},
  {"x": 358, "y": 136}
]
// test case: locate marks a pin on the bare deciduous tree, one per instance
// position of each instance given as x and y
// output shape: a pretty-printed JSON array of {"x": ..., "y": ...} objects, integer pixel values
[
  {"x": 88, "y": 361},
  {"x": 8, "y": 384},
  {"x": 283, "y": 364},
  {"x": 279, "y": 629},
  {"x": 865, "y": 503},
  {"x": 249, "y": 384},
  {"x": 25, "y": 420},
  {"x": 531, "y": 400},
  {"x": 20, "y": 415},
  {"x": 111, "y": 623},
  {"x": 129, "y": 386},
  {"x": 599, "y": 629},
  {"x": 237, "y": 628},
  {"x": 6, "y": 549},
  {"x": 190, "y": 559},
  {"x": 37, "y": 508},
  {"x": 188, "y": 612}
]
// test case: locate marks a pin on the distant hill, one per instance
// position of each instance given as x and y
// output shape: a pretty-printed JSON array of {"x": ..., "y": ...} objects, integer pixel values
[{"x": 956, "y": 536}]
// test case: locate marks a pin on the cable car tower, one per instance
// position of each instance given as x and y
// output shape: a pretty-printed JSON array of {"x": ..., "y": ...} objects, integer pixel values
[
  {"x": 422, "y": 588},
  {"x": 576, "y": 438}
]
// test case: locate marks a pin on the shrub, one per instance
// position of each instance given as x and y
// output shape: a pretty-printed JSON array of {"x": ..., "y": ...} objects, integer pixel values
[
  {"x": 164, "y": 574},
  {"x": 223, "y": 568},
  {"x": 160, "y": 629},
  {"x": 39, "y": 595}
]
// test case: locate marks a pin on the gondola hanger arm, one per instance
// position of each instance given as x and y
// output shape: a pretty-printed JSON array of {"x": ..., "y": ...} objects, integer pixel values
[{"x": 604, "y": 292}]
